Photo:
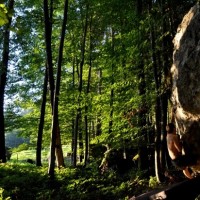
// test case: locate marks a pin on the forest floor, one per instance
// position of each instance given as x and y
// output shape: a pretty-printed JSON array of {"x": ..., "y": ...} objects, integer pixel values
[
  {"x": 20, "y": 180},
  {"x": 25, "y": 181}
]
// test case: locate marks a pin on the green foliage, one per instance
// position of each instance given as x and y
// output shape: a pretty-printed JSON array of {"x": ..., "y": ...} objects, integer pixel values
[
  {"x": 153, "y": 183},
  {"x": 15, "y": 178},
  {"x": 3, "y": 15},
  {"x": 21, "y": 147},
  {"x": 2, "y": 196},
  {"x": 122, "y": 91},
  {"x": 25, "y": 181},
  {"x": 117, "y": 46}
]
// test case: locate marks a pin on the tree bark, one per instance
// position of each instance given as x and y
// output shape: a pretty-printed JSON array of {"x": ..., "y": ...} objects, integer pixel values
[
  {"x": 55, "y": 137},
  {"x": 3, "y": 79},
  {"x": 56, "y": 144},
  {"x": 98, "y": 130},
  {"x": 110, "y": 127},
  {"x": 48, "y": 34},
  {"x": 167, "y": 50},
  {"x": 41, "y": 123},
  {"x": 86, "y": 157},
  {"x": 73, "y": 120},
  {"x": 142, "y": 149},
  {"x": 157, "y": 78},
  {"x": 80, "y": 75}
]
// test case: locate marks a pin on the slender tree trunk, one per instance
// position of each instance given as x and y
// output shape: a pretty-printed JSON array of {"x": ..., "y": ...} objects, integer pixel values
[
  {"x": 86, "y": 107},
  {"x": 87, "y": 92},
  {"x": 86, "y": 117},
  {"x": 142, "y": 133},
  {"x": 112, "y": 90},
  {"x": 41, "y": 123},
  {"x": 48, "y": 34},
  {"x": 75, "y": 136},
  {"x": 98, "y": 130},
  {"x": 142, "y": 151},
  {"x": 3, "y": 77},
  {"x": 54, "y": 135},
  {"x": 56, "y": 144},
  {"x": 80, "y": 73},
  {"x": 111, "y": 110},
  {"x": 86, "y": 154},
  {"x": 163, "y": 148},
  {"x": 161, "y": 105},
  {"x": 73, "y": 120},
  {"x": 158, "y": 104},
  {"x": 167, "y": 50},
  {"x": 59, "y": 152},
  {"x": 72, "y": 142},
  {"x": 80, "y": 134}
]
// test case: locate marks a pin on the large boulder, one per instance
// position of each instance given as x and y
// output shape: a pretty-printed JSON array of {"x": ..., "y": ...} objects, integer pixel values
[{"x": 186, "y": 81}]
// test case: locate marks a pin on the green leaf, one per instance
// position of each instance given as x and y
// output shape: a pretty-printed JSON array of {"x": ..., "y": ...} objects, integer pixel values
[{"x": 3, "y": 16}]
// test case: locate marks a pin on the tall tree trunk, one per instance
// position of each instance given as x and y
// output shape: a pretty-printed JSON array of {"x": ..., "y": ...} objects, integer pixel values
[
  {"x": 86, "y": 118},
  {"x": 98, "y": 130},
  {"x": 73, "y": 120},
  {"x": 59, "y": 152},
  {"x": 163, "y": 148},
  {"x": 80, "y": 73},
  {"x": 142, "y": 149},
  {"x": 80, "y": 134},
  {"x": 3, "y": 77},
  {"x": 162, "y": 97},
  {"x": 75, "y": 137},
  {"x": 55, "y": 145},
  {"x": 86, "y": 157},
  {"x": 48, "y": 35},
  {"x": 54, "y": 135},
  {"x": 112, "y": 90},
  {"x": 41, "y": 123},
  {"x": 111, "y": 110},
  {"x": 166, "y": 51},
  {"x": 158, "y": 167}
]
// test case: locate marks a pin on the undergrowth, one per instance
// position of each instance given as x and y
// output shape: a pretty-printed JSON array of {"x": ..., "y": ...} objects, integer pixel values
[{"x": 28, "y": 182}]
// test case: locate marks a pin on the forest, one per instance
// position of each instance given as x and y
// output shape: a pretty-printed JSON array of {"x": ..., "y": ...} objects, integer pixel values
[{"x": 85, "y": 85}]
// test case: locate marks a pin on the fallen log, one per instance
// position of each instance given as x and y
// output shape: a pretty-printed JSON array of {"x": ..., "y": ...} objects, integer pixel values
[{"x": 185, "y": 190}]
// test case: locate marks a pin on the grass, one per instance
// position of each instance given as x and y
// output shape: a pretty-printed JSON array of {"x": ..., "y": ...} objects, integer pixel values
[
  {"x": 24, "y": 181},
  {"x": 21, "y": 156}
]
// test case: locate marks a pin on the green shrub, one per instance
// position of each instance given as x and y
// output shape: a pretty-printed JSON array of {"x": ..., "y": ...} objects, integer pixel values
[
  {"x": 21, "y": 147},
  {"x": 153, "y": 182},
  {"x": 24, "y": 181},
  {"x": 2, "y": 195}
]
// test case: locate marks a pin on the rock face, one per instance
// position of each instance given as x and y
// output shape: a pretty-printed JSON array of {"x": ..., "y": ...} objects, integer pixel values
[{"x": 186, "y": 80}]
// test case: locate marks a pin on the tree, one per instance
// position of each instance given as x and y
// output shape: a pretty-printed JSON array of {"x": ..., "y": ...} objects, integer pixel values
[
  {"x": 78, "y": 129},
  {"x": 54, "y": 136},
  {"x": 3, "y": 76},
  {"x": 41, "y": 123}
]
